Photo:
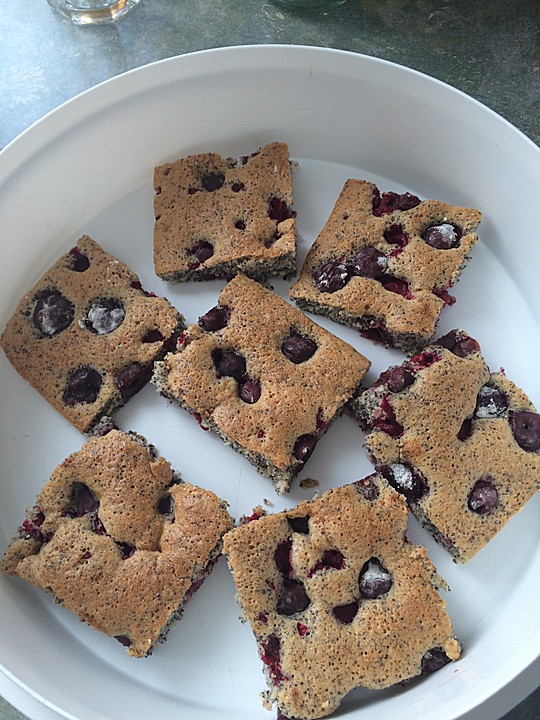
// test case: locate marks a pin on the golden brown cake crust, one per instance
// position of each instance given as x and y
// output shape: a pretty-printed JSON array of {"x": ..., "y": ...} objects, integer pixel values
[
  {"x": 240, "y": 207},
  {"x": 434, "y": 411},
  {"x": 47, "y": 361},
  {"x": 408, "y": 321},
  {"x": 124, "y": 555},
  {"x": 295, "y": 399},
  {"x": 313, "y": 658}
]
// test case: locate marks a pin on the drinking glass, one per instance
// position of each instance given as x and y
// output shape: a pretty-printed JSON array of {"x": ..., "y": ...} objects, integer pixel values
[{"x": 93, "y": 12}]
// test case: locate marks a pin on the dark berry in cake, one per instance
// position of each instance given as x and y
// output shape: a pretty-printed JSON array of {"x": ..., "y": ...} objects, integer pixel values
[
  {"x": 443, "y": 236},
  {"x": 406, "y": 479},
  {"x": 133, "y": 378},
  {"x": 484, "y": 497},
  {"x": 83, "y": 386},
  {"x": 434, "y": 660},
  {"x": 491, "y": 402},
  {"x": 304, "y": 446},
  {"x": 105, "y": 315},
  {"x": 459, "y": 343},
  {"x": 298, "y": 348},
  {"x": 374, "y": 580},
  {"x": 229, "y": 363},
  {"x": 53, "y": 312},
  {"x": 370, "y": 262},
  {"x": 526, "y": 429},
  {"x": 293, "y": 598},
  {"x": 215, "y": 319},
  {"x": 331, "y": 276},
  {"x": 212, "y": 181}
]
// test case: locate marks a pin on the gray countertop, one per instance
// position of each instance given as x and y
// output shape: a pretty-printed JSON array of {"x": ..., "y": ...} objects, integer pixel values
[{"x": 490, "y": 49}]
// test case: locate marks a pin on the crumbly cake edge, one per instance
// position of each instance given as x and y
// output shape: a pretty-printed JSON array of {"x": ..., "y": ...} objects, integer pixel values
[
  {"x": 281, "y": 478},
  {"x": 282, "y": 267}
]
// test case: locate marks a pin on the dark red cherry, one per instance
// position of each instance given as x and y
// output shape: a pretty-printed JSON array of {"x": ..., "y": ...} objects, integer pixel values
[
  {"x": 293, "y": 598},
  {"x": 215, "y": 319},
  {"x": 133, "y": 378},
  {"x": 442, "y": 236},
  {"x": 374, "y": 580},
  {"x": 525, "y": 427},
  {"x": 434, "y": 660},
  {"x": 491, "y": 402},
  {"x": 391, "y": 201},
  {"x": 83, "y": 386},
  {"x": 396, "y": 235},
  {"x": 213, "y": 181},
  {"x": 299, "y": 524},
  {"x": 396, "y": 285},
  {"x": 384, "y": 419},
  {"x": 279, "y": 211},
  {"x": 203, "y": 250},
  {"x": 105, "y": 315},
  {"x": 458, "y": 343},
  {"x": 465, "y": 431},
  {"x": 331, "y": 560},
  {"x": 331, "y": 276},
  {"x": 397, "y": 378},
  {"x": 249, "y": 391},
  {"x": 368, "y": 487},
  {"x": 346, "y": 613},
  {"x": 406, "y": 479},
  {"x": 31, "y": 527},
  {"x": 229, "y": 364},
  {"x": 370, "y": 262},
  {"x": 271, "y": 656},
  {"x": 123, "y": 640},
  {"x": 282, "y": 557},
  {"x": 304, "y": 447},
  {"x": 165, "y": 504},
  {"x": 298, "y": 348},
  {"x": 52, "y": 313},
  {"x": 126, "y": 549},
  {"x": 82, "y": 500},
  {"x": 78, "y": 261},
  {"x": 484, "y": 497}
]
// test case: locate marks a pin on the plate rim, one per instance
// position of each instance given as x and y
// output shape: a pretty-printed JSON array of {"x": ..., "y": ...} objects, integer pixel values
[{"x": 27, "y": 139}]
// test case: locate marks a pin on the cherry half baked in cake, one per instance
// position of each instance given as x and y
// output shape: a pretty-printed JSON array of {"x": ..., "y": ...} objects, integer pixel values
[
  {"x": 384, "y": 263},
  {"x": 460, "y": 443}
]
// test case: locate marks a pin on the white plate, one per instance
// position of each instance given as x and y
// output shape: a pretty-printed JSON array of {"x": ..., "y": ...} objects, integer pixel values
[{"x": 87, "y": 167}]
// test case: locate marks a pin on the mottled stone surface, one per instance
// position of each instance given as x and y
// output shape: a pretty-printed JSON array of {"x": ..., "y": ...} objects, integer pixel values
[{"x": 490, "y": 49}]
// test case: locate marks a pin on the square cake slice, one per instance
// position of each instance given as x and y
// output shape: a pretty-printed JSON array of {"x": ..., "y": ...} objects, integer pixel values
[
  {"x": 87, "y": 334},
  {"x": 215, "y": 216},
  {"x": 384, "y": 264},
  {"x": 120, "y": 540},
  {"x": 263, "y": 376},
  {"x": 462, "y": 444},
  {"x": 337, "y": 598}
]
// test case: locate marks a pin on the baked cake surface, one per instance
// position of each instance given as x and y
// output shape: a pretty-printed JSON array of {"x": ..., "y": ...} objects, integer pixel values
[
  {"x": 264, "y": 376},
  {"x": 462, "y": 444},
  {"x": 87, "y": 334},
  {"x": 119, "y": 540},
  {"x": 337, "y": 598},
  {"x": 384, "y": 263},
  {"x": 216, "y": 216}
]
